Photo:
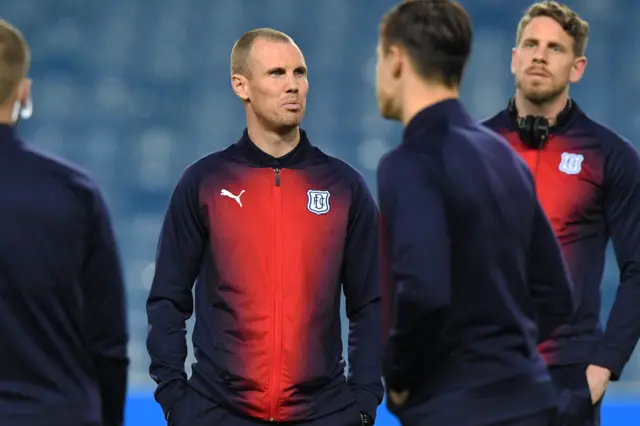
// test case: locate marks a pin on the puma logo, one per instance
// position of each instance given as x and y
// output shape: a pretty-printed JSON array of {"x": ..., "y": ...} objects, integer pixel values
[{"x": 226, "y": 193}]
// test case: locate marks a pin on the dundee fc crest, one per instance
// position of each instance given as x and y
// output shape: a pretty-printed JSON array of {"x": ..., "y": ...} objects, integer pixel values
[
  {"x": 318, "y": 201},
  {"x": 571, "y": 164}
]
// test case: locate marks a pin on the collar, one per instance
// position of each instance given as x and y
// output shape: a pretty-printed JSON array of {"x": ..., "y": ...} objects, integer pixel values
[
  {"x": 8, "y": 136},
  {"x": 435, "y": 116},
  {"x": 297, "y": 158},
  {"x": 564, "y": 120}
]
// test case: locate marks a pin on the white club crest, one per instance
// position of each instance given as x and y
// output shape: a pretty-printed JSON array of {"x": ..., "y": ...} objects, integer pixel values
[
  {"x": 318, "y": 201},
  {"x": 571, "y": 164}
]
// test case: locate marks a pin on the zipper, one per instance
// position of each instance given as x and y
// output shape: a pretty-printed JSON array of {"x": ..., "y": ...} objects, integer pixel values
[
  {"x": 535, "y": 173},
  {"x": 541, "y": 146},
  {"x": 274, "y": 382}
]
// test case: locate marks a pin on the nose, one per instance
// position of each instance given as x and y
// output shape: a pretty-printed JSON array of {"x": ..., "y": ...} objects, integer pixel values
[
  {"x": 539, "y": 56},
  {"x": 292, "y": 83}
]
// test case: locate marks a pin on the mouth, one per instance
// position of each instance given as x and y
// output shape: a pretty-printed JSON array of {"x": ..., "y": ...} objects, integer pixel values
[
  {"x": 292, "y": 106},
  {"x": 538, "y": 73}
]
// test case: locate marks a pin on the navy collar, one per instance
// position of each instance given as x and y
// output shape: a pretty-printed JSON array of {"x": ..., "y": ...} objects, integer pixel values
[
  {"x": 564, "y": 121},
  {"x": 297, "y": 158},
  {"x": 8, "y": 136},
  {"x": 435, "y": 116},
  {"x": 6, "y": 132}
]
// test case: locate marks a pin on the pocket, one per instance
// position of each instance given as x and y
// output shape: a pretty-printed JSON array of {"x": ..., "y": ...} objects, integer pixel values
[
  {"x": 583, "y": 387},
  {"x": 580, "y": 406},
  {"x": 354, "y": 412}
]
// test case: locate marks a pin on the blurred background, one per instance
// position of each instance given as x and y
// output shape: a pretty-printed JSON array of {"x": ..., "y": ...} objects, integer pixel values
[{"x": 135, "y": 90}]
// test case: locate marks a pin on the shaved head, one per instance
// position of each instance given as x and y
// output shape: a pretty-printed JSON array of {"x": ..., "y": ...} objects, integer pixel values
[
  {"x": 14, "y": 60},
  {"x": 269, "y": 75},
  {"x": 241, "y": 51}
]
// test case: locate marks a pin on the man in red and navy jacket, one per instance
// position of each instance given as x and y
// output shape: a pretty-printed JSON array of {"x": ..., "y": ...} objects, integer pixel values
[
  {"x": 272, "y": 229},
  {"x": 588, "y": 182}
]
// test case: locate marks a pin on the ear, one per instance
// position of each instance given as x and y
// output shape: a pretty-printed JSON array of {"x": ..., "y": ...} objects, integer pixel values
[
  {"x": 23, "y": 92},
  {"x": 514, "y": 55},
  {"x": 395, "y": 57},
  {"x": 577, "y": 71},
  {"x": 240, "y": 85}
]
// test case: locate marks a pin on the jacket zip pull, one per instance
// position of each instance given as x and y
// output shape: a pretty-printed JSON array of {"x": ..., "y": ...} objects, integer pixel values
[
  {"x": 277, "y": 176},
  {"x": 535, "y": 174}
]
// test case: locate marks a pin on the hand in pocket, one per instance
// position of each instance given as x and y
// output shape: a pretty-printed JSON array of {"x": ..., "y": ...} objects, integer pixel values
[{"x": 598, "y": 380}]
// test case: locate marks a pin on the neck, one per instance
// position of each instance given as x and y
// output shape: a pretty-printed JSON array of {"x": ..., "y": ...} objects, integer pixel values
[
  {"x": 276, "y": 143},
  {"x": 419, "y": 95},
  {"x": 6, "y": 114},
  {"x": 550, "y": 110}
]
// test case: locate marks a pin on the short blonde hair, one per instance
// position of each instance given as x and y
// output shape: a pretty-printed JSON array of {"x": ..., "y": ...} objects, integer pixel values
[
  {"x": 573, "y": 25},
  {"x": 14, "y": 59},
  {"x": 242, "y": 47}
]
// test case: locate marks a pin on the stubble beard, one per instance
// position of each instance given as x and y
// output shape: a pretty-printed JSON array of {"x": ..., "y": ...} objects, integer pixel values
[
  {"x": 387, "y": 109},
  {"x": 540, "y": 97}
]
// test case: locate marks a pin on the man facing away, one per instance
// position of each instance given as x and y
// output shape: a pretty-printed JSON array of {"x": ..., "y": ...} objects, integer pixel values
[
  {"x": 63, "y": 359},
  {"x": 588, "y": 181},
  {"x": 465, "y": 240},
  {"x": 272, "y": 229}
]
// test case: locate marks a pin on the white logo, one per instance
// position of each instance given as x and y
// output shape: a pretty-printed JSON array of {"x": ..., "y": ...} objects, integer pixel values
[
  {"x": 318, "y": 201},
  {"x": 571, "y": 164},
  {"x": 226, "y": 193}
]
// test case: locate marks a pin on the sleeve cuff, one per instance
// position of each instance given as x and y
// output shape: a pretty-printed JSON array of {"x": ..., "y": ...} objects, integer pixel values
[
  {"x": 396, "y": 376},
  {"x": 168, "y": 394},
  {"x": 395, "y": 381},
  {"x": 610, "y": 359},
  {"x": 366, "y": 401}
]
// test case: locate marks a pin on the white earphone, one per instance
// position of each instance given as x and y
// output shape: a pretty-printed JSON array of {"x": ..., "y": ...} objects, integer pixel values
[{"x": 22, "y": 110}]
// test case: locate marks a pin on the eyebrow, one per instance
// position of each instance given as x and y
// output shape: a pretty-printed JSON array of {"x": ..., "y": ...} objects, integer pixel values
[
  {"x": 301, "y": 68},
  {"x": 551, "y": 43}
]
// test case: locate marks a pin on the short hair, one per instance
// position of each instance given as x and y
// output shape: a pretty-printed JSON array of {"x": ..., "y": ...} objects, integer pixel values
[
  {"x": 436, "y": 34},
  {"x": 14, "y": 59},
  {"x": 242, "y": 47},
  {"x": 569, "y": 20}
]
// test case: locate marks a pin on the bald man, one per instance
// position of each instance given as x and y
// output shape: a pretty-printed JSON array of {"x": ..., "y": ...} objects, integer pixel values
[{"x": 270, "y": 230}]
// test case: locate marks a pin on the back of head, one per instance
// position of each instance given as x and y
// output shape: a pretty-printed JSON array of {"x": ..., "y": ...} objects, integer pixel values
[
  {"x": 435, "y": 34},
  {"x": 14, "y": 65}
]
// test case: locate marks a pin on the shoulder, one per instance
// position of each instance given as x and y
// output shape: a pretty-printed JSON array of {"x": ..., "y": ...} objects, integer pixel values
[
  {"x": 346, "y": 171},
  {"x": 610, "y": 141},
  {"x": 64, "y": 172},
  {"x": 360, "y": 194},
  {"x": 403, "y": 164},
  {"x": 497, "y": 122},
  {"x": 620, "y": 157},
  {"x": 193, "y": 175},
  {"x": 391, "y": 160}
]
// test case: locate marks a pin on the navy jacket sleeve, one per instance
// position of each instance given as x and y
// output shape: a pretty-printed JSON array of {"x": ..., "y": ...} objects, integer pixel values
[
  {"x": 105, "y": 312},
  {"x": 551, "y": 287},
  {"x": 418, "y": 248},
  {"x": 361, "y": 280},
  {"x": 170, "y": 302},
  {"x": 622, "y": 211}
]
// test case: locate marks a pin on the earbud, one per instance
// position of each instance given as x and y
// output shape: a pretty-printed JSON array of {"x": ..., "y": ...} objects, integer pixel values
[{"x": 22, "y": 110}]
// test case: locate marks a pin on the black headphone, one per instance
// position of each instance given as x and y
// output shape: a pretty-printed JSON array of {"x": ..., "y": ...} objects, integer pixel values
[{"x": 534, "y": 130}]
